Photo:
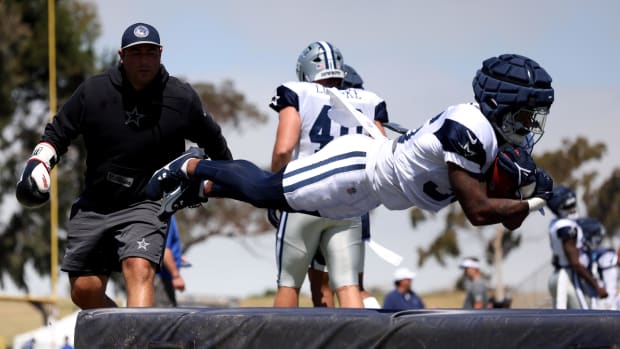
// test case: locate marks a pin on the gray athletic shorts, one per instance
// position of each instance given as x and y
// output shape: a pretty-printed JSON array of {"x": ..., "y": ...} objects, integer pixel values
[{"x": 98, "y": 242}]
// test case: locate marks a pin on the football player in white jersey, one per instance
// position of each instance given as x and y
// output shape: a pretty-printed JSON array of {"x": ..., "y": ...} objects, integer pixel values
[
  {"x": 566, "y": 240},
  {"x": 602, "y": 262},
  {"x": 443, "y": 161},
  {"x": 304, "y": 128},
  {"x": 318, "y": 276}
]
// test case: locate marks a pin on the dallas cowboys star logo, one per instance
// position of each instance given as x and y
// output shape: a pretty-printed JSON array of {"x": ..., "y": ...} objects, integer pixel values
[
  {"x": 468, "y": 152},
  {"x": 143, "y": 245},
  {"x": 466, "y": 146},
  {"x": 133, "y": 117}
]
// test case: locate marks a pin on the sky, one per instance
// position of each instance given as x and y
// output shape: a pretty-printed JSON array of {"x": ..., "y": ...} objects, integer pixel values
[{"x": 420, "y": 56}]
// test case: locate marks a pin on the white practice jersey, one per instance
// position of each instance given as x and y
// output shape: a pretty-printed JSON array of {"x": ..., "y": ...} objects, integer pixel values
[
  {"x": 413, "y": 171},
  {"x": 313, "y": 103},
  {"x": 561, "y": 229},
  {"x": 340, "y": 241}
]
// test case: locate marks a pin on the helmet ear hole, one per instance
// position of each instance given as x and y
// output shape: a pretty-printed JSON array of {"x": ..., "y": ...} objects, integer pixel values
[{"x": 490, "y": 101}]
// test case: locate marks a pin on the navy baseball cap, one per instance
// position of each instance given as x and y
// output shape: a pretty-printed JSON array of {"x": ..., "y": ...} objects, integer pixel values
[{"x": 140, "y": 33}]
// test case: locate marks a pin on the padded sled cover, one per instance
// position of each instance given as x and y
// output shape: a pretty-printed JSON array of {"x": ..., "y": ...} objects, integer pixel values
[{"x": 345, "y": 328}]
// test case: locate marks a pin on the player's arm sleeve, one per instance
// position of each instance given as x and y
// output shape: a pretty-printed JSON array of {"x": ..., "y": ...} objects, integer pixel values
[
  {"x": 284, "y": 97},
  {"x": 567, "y": 232},
  {"x": 206, "y": 132},
  {"x": 381, "y": 113},
  {"x": 462, "y": 146},
  {"x": 66, "y": 125}
]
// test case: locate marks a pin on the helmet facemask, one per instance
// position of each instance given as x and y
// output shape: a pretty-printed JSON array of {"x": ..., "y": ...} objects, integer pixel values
[
  {"x": 594, "y": 242},
  {"x": 568, "y": 209},
  {"x": 514, "y": 94},
  {"x": 516, "y": 126}
]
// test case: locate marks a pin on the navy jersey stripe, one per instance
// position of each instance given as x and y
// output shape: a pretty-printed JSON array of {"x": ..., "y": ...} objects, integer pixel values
[
  {"x": 315, "y": 179},
  {"x": 566, "y": 233},
  {"x": 366, "y": 227},
  {"x": 457, "y": 138},
  {"x": 381, "y": 113},
  {"x": 352, "y": 154},
  {"x": 284, "y": 97}
]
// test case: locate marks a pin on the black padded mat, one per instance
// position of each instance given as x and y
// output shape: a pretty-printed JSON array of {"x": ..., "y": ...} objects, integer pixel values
[{"x": 198, "y": 327}]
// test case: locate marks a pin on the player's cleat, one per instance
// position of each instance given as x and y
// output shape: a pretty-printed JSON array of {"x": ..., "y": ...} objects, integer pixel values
[
  {"x": 187, "y": 194},
  {"x": 168, "y": 178}
]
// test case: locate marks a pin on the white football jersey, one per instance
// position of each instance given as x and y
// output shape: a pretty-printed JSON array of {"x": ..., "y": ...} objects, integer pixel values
[
  {"x": 561, "y": 229},
  {"x": 313, "y": 103},
  {"x": 413, "y": 170}
]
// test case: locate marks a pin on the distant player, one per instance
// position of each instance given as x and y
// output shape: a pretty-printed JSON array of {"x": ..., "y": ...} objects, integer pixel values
[
  {"x": 566, "y": 240},
  {"x": 304, "y": 128},
  {"x": 602, "y": 262},
  {"x": 443, "y": 161}
]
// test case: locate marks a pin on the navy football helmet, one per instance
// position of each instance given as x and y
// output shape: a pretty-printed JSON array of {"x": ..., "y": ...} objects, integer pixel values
[
  {"x": 320, "y": 60},
  {"x": 515, "y": 94},
  {"x": 593, "y": 232},
  {"x": 351, "y": 78},
  {"x": 563, "y": 203}
]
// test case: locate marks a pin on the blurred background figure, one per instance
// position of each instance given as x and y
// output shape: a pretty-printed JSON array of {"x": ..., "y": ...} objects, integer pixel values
[
  {"x": 476, "y": 289},
  {"x": 169, "y": 278},
  {"x": 67, "y": 344},
  {"x": 30, "y": 344},
  {"x": 601, "y": 261},
  {"x": 351, "y": 78},
  {"x": 403, "y": 297},
  {"x": 567, "y": 284}
]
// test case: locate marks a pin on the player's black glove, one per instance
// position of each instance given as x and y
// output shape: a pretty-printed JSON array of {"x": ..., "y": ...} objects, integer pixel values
[
  {"x": 34, "y": 184},
  {"x": 273, "y": 215},
  {"x": 518, "y": 163},
  {"x": 544, "y": 185}
]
